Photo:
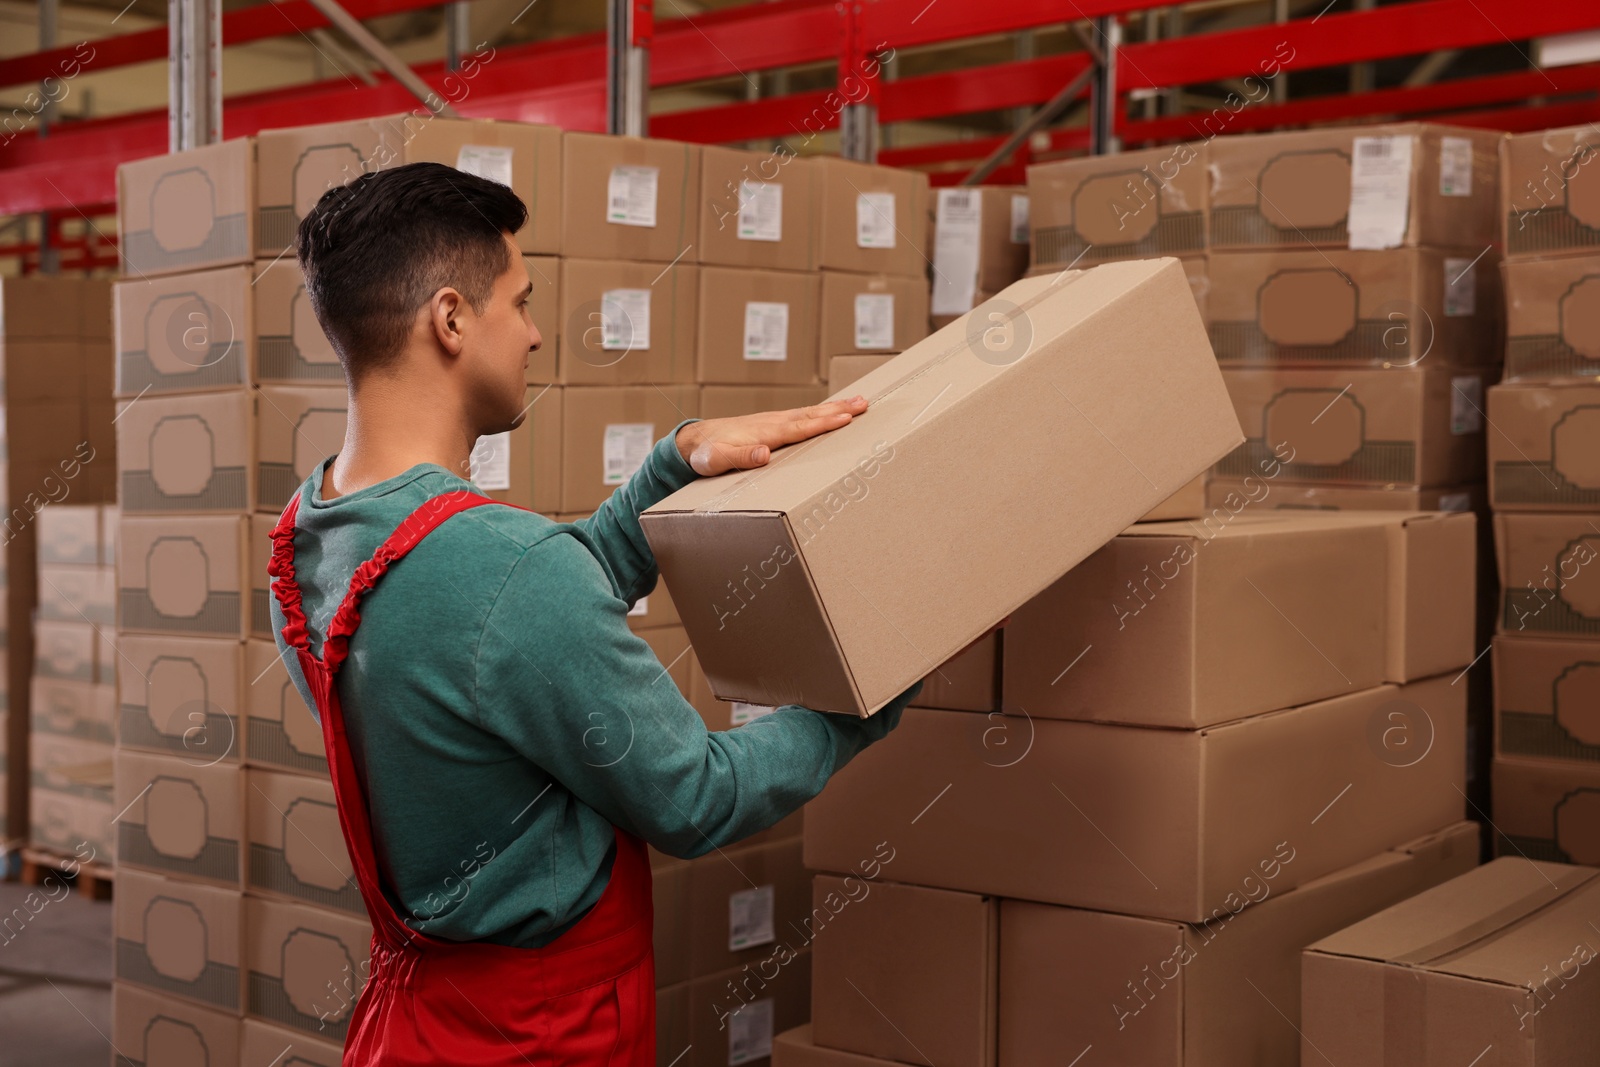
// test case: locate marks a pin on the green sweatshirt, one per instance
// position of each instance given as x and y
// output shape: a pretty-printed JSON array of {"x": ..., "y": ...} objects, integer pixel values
[{"x": 504, "y": 717}]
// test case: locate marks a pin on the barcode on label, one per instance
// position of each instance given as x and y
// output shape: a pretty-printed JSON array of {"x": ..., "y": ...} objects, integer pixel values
[
  {"x": 1375, "y": 147},
  {"x": 750, "y": 1033},
  {"x": 750, "y": 917},
  {"x": 958, "y": 199}
]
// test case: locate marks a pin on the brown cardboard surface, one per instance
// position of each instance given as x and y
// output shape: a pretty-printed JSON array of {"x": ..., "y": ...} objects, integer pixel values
[
  {"x": 846, "y": 215},
  {"x": 727, "y": 327},
  {"x": 297, "y": 427},
  {"x": 1546, "y": 811},
  {"x": 1234, "y": 495},
  {"x": 85, "y": 710},
  {"x": 530, "y": 474},
  {"x": 1190, "y": 812},
  {"x": 1550, "y": 194},
  {"x": 264, "y": 1045},
  {"x": 1132, "y": 205},
  {"x": 1490, "y": 959},
  {"x": 967, "y": 681},
  {"x": 1545, "y": 452},
  {"x": 279, "y": 730},
  {"x": 47, "y": 306},
  {"x": 305, "y": 966},
  {"x": 1165, "y": 994},
  {"x": 847, "y": 324},
  {"x": 295, "y": 166},
  {"x": 586, "y": 416},
  {"x": 1398, "y": 307},
  {"x": 1359, "y": 426},
  {"x": 905, "y": 972},
  {"x": 71, "y": 825},
  {"x": 76, "y": 593},
  {"x": 535, "y": 167},
  {"x": 182, "y": 697},
  {"x": 1552, "y": 328},
  {"x": 71, "y": 766},
  {"x": 794, "y": 1048},
  {"x": 589, "y": 161},
  {"x": 185, "y": 333},
  {"x": 260, "y": 544},
  {"x": 1549, "y": 575},
  {"x": 729, "y": 401},
  {"x": 150, "y": 1029},
  {"x": 1195, "y": 268},
  {"x": 48, "y": 370},
  {"x": 186, "y": 453},
  {"x": 188, "y": 210},
  {"x": 183, "y": 574},
  {"x": 67, "y": 651},
  {"x": 724, "y": 196},
  {"x": 732, "y": 1017},
  {"x": 185, "y": 818},
  {"x": 661, "y": 350},
  {"x": 290, "y": 347},
  {"x": 755, "y": 895},
  {"x": 845, "y": 371},
  {"x": 854, "y": 620},
  {"x": 296, "y": 849},
  {"x": 179, "y": 938},
  {"x": 718, "y": 714},
  {"x": 78, "y": 534},
  {"x": 1547, "y": 699},
  {"x": 1285, "y": 190},
  {"x": 1187, "y": 503},
  {"x": 544, "y": 307}
]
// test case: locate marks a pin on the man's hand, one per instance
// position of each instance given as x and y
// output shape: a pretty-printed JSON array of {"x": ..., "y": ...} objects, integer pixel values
[{"x": 716, "y": 446}]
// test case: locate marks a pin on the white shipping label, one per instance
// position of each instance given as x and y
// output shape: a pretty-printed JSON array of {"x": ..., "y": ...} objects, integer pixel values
[
  {"x": 490, "y": 462},
  {"x": 875, "y": 321},
  {"x": 1455, "y": 501},
  {"x": 640, "y": 607},
  {"x": 875, "y": 220},
  {"x": 1455, "y": 166},
  {"x": 631, "y": 195},
  {"x": 760, "y": 211},
  {"x": 1380, "y": 192},
  {"x": 743, "y": 713},
  {"x": 486, "y": 161},
  {"x": 957, "y": 230},
  {"x": 1460, "y": 287},
  {"x": 1019, "y": 220},
  {"x": 750, "y": 1033},
  {"x": 627, "y": 446},
  {"x": 625, "y": 320},
  {"x": 750, "y": 918},
  {"x": 1466, "y": 404},
  {"x": 766, "y": 331}
]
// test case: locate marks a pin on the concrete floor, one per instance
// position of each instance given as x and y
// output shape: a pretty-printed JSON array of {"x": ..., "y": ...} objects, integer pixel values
[{"x": 55, "y": 981}]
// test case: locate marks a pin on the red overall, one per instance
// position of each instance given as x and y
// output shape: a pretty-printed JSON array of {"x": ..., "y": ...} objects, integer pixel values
[{"x": 588, "y": 998}]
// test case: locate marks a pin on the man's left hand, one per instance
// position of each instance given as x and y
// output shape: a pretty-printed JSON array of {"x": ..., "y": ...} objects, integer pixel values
[{"x": 716, "y": 446}]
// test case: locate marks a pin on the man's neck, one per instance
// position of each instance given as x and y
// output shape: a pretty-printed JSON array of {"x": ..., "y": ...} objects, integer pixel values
[{"x": 387, "y": 432}]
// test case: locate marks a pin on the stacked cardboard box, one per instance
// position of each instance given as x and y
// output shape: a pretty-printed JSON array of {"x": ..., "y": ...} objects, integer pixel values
[
  {"x": 1544, "y": 486},
  {"x": 980, "y": 246}
]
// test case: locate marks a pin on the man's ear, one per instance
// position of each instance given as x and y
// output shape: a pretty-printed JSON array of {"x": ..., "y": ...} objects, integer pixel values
[{"x": 447, "y": 311}]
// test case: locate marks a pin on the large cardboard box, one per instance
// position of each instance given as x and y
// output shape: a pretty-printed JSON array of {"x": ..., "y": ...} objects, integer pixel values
[
  {"x": 544, "y": 308},
  {"x": 265, "y": 1045},
  {"x": 1187, "y": 503},
  {"x": 1550, "y": 193},
  {"x": 183, "y": 575},
  {"x": 150, "y": 1029},
  {"x": 855, "y": 623},
  {"x": 279, "y": 730},
  {"x": 186, "y": 453},
  {"x": 76, "y": 593},
  {"x": 305, "y": 966},
  {"x": 1549, "y": 575},
  {"x": 1165, "y": 994},
  {"x": 296, "y": 849},
  {"x": 1158, "y": 823},
  {"x": 756, "y": 210},
  {"x": 297, "y": 427},
  {"x": 1360, "y": 426},
  {"x": 905, "y": 972},
  {"x": 83, "y": 534},
  {"x": 1552, "y": 325},
  {"x": 730, "y": 401},
  {"x": 188, "y": 210},
  {"x": 71, "y": 825},
  {"x": 1401, "y": 308},
  {"x": 627, "y": 323},
  {"x": 732, "y": 1017},
  {"x": 1545, "y": 452},
  {"x": 1546, "y": 811},
  {"x": 1234, "y": 495},
  {"x": 967, "y": 681},
  {"x": 845, "y": 371},
  {"x": 980, "y": 244},
  {"x": 1547, "y": 699},
  {"x": 56, "y": 306},
  {"x": 179, "y": 938},
  {"x": 1406, "y": 185},
  {"x": 871, "y": 219},
  {"x": 182, "y": 697},
  {"x": 522, "y": 466},
  {"x": 607, "y": 434},
  {"x": 719, "y": 714},
  {"x": 758, "y": 327},
  {"x": 1128, "y": 206},
  {"x": 85, "y": 710},
  {"x": 1491, "y": 960},
  {"x": 290, "y": 347},
  {"x": 794, "y": 1048},
  {"x": 183, "y": 818},
  {"x": 626, "y": 198},
  {"x": 871, "y": 313},
  {"x": 185, "y": 333}
]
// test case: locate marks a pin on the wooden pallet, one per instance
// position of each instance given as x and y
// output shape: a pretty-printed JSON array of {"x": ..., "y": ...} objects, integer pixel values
[{"x": 93, "y": 880}]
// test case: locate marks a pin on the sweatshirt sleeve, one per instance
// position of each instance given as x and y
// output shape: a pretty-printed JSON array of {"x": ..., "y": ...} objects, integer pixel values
[{"x": 564, "y": 681}]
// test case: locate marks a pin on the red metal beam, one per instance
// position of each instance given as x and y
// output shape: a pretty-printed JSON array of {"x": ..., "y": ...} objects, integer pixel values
[{"x": 909, "y": 23}]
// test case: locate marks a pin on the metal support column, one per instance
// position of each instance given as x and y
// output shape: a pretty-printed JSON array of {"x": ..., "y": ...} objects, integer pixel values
[
  {"x": 457, "y": 33},
  {"x": 858, "y": 84},
  {"x": 381, "y": 54},
  {"x": 194, "y": 73},
  {"x": 1280, "y": 84},
  {"x": 630, "y": 26},
  {"x": 1103, "y": 116},
  {"x": 49, "y": 254},
  {"x": 1362, "y": 78}
]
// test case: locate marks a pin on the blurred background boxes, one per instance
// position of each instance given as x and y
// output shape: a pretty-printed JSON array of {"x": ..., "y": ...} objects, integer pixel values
[
  {"x": 183, "y": 575},
  {"x": 1132, "y": 205},
  {"x": 757, "y": 209},
  {"x": 183, "y": 819},
  {"x": 627, "y": 323},
  {"x": 1545, "y": 453},
  {"x": 180, "y": 939},
  {"x": 304, "y": 967},
  {"x": 871, "y": 313},
  {"x": 296, "y": 849},
  {"x": 1553, "y": 316},
  {"x": 871, "y": 219},
  {"x": 181, "y": 697},
  {"x": 625, "y": 198},
  {"x": 757, "y": 327},
  {"x": 1551, "y": 199}
]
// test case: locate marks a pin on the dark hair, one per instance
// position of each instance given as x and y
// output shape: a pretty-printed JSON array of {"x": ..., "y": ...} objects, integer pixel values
[{"x": 375, "y": 250}]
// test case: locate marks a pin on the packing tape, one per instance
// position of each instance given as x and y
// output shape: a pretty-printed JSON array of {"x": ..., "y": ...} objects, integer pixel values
[{"x": 1559, "y": 885}]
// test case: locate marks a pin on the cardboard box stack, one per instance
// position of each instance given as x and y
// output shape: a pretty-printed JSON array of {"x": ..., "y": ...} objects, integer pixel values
[
  {"x": 55, "y": 403},
  {"x": 980, "y": 246},
  {"x": 1544, "y": 486}
]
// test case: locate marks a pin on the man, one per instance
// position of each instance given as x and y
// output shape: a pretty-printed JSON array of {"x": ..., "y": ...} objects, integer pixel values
[{"x": 502, "y": 745}]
